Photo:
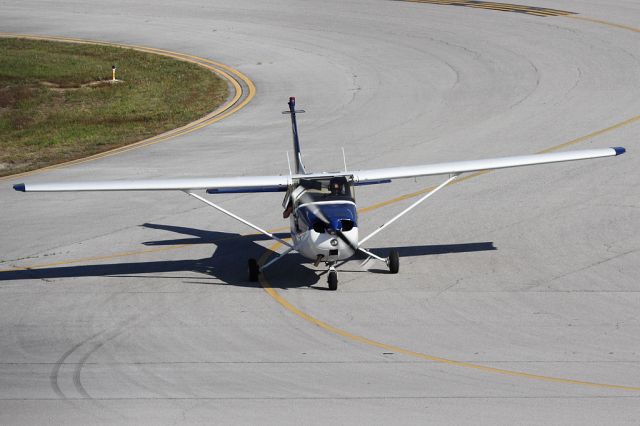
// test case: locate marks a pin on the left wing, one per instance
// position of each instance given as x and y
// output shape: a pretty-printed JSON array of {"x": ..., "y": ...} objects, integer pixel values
[
  {"x": 457, "y": 167},
  {"x": 220, "y": 184}
]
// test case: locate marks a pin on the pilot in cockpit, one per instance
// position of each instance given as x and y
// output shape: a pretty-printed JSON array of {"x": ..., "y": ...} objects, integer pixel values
[{"x": 336, "y": 187}]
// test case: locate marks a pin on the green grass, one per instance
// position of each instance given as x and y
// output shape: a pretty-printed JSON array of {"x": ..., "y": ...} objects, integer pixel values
[{"x": 56, "y": 106}]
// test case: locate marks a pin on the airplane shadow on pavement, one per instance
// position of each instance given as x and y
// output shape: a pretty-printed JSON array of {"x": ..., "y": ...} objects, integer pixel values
[
  {"x": 228, "y": 263},
  {"x": 428, "y": 250}
]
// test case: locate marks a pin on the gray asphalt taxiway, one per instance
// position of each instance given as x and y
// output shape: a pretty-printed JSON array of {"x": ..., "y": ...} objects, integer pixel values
[{"x": 518, "y": 296}]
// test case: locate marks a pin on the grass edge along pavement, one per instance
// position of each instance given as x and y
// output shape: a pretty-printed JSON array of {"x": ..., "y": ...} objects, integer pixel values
[{"x": 57, "y": 104}]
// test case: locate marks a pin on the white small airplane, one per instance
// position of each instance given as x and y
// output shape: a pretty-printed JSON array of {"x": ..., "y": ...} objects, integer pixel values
[{"x": 321, "y": 207}]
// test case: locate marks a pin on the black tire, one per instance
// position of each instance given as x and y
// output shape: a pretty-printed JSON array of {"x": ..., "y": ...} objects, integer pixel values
[
  {"x": 394, "y": 261},
  {"x": 254, "y": 270},
  {"x": 333, "y": 280}
]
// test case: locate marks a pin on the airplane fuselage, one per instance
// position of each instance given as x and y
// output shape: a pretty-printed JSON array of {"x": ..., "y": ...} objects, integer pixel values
[{"x": 324, "y": 225}]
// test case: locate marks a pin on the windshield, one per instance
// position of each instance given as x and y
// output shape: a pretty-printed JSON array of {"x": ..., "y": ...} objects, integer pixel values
[
  {"x": 337, "y": 215},
  {"x": 335, "y": 188}
]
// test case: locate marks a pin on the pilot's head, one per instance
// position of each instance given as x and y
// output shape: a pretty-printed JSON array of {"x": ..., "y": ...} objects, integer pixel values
[{"x": 335, "y": 187}]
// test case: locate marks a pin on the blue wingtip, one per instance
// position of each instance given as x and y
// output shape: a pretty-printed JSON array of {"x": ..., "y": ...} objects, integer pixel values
[
  {"x": 19, "y": 187},
  {"x": 619, "y": 150}
]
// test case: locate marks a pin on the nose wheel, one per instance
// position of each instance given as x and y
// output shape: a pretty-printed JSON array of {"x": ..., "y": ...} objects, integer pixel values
[{"x": 332, "y": 279}]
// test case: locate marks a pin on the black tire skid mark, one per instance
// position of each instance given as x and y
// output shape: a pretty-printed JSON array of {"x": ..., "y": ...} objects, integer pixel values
[
  {"x": 55, "y": 371},
  {"x": 77, "y": 380}
]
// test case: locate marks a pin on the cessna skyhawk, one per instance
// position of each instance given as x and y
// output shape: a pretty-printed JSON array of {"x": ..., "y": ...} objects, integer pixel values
[{"x": 321, "y": 207}]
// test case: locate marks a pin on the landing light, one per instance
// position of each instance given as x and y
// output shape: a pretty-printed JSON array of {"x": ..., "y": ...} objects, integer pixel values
[{"x": 334, "y": 242}]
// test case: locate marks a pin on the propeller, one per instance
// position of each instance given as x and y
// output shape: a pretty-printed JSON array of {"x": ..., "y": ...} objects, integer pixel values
[
  {"x": 332, "y": 228},
  {"x": 346, "y": 240},
  {"x": 305, "y": 198}
]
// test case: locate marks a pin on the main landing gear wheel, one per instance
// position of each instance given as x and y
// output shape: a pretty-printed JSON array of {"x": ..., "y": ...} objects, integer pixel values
[
  {"x": 333, "y": 280},
  {"x": 393, "y": 261},
  {"x": 254, "y": 270}
]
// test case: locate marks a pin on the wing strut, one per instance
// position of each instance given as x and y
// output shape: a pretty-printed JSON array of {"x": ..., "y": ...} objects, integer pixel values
[
  {"x": 403, "y": 212},
  {"x": 238, "y": 218}
]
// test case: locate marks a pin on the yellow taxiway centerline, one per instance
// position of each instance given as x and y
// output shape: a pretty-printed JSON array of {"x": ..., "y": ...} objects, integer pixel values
[{"x": 600, "y": 21}]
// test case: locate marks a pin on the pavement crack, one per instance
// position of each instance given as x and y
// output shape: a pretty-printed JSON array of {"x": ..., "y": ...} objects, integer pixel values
[{"x": 584, "y": 268}]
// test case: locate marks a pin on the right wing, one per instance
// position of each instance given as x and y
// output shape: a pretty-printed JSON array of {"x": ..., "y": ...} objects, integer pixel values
[{"x": 457, "y": 167}]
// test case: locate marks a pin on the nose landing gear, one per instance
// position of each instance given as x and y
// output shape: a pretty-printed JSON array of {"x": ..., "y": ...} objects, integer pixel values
[
  {"x": 393, "y": 262},
  {"x": 332, "y": 278}
]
